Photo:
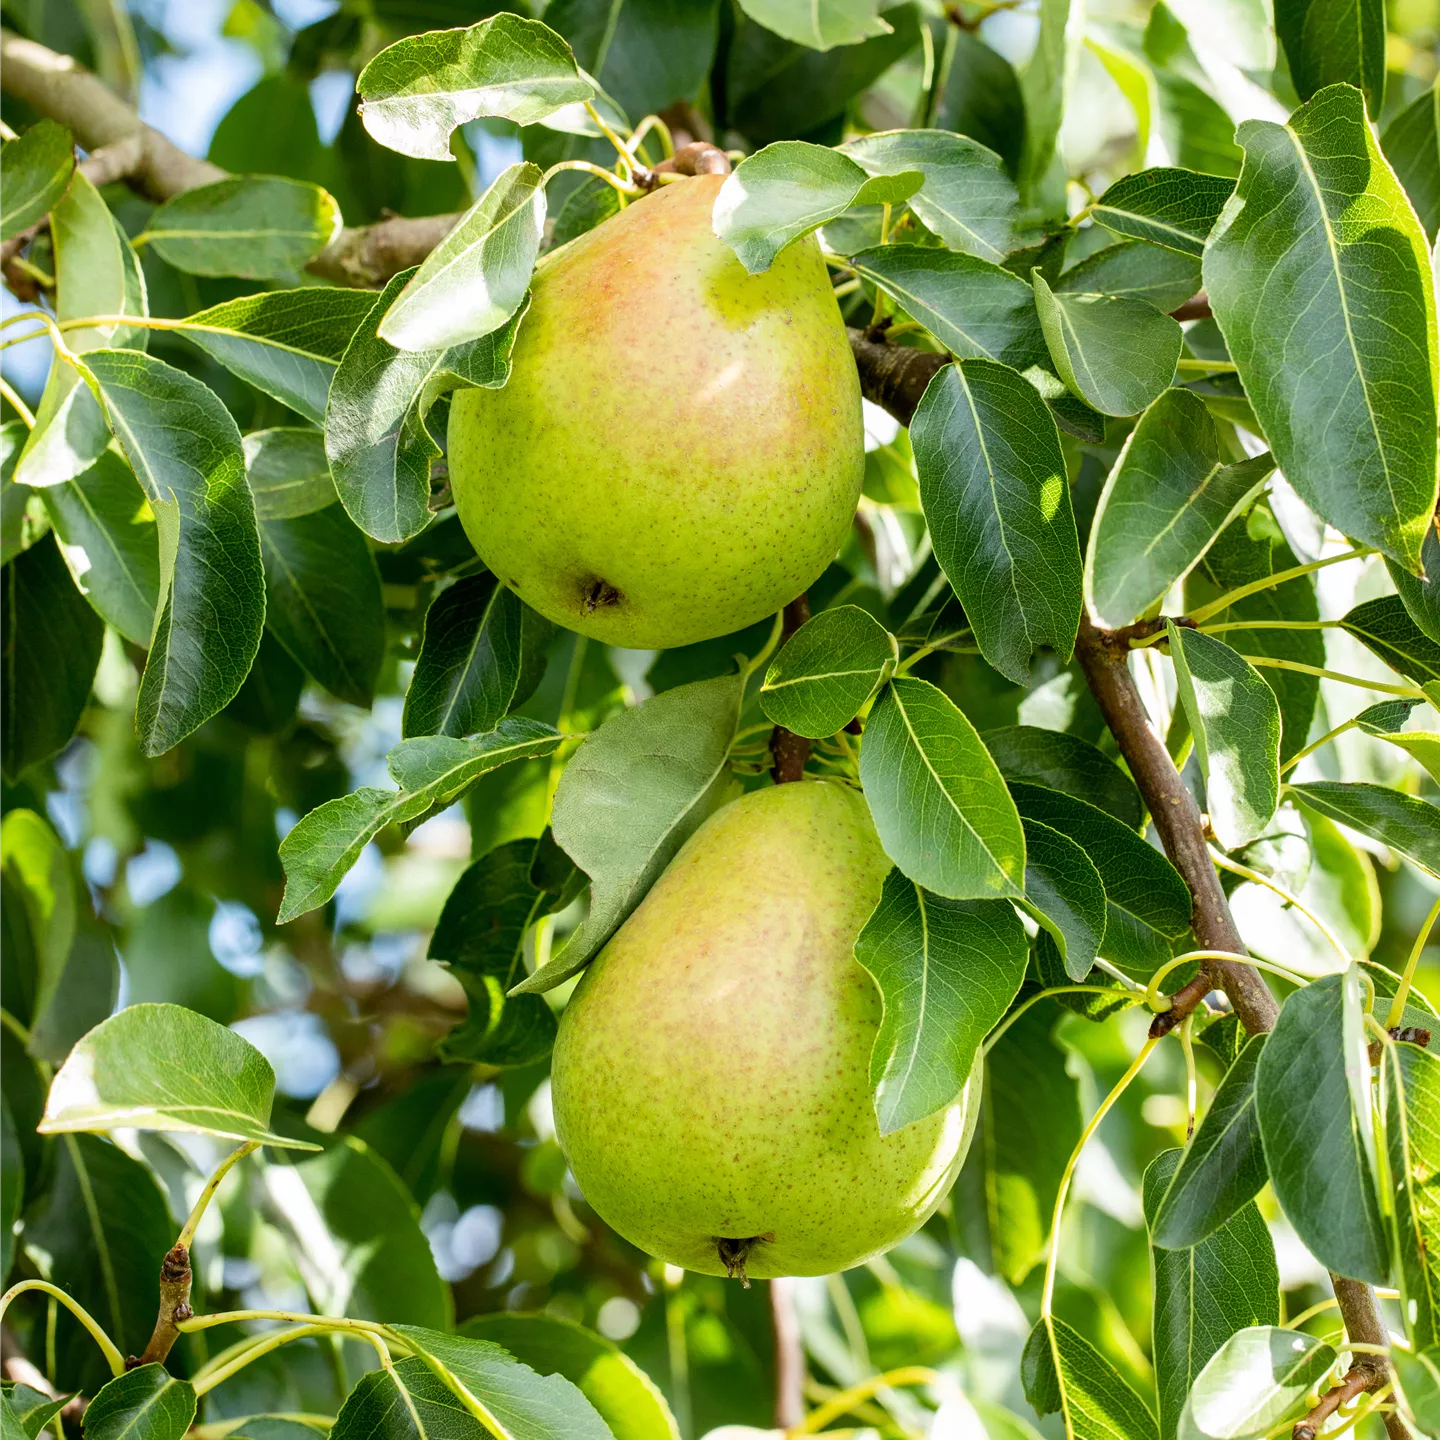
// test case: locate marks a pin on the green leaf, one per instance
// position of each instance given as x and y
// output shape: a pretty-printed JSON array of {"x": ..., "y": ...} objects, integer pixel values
[
  {"x": 940, "y": 807},
  {"x": 38, "y": 881},
  {"x": 1311, "y": 1128},
  {"x": 1045, "y": 83},
  {"x": 967, "y": 198},
  {"x": 259, "y": 227},
  {"x": 827, "y": 670},
  {"x": 981, "y": 98},
  {"x": 469, "y": 662},
  {"x": 1332, "y": 42},
  {"x": 1412, "y": 146},
  {"x": 627, "y": 1400},
  {"x": 1412, "y": 1136},
  {"x": 375, "y": 435},
  {"x": 10, "y": 1427},
  {"x": 32, "y": 1410},
  {"x": 1418, "y": 1379},
  {"x": 1205, "y": 1294},
  {"x": 975, "y": 309},
  {"x": 1031, "y": 1123},
  {"x": 1173, "y": 208},
  {"x": 12, "y": 1188},
  {"x": 1408, "y": 826},
  {"x": 323, "y": 600},
  {"x": 1066, "y": 895},
  {"x": 284, "y": 342},
  {"x": 819, "y": 24},
  {"x": 99, "y": 1230},
  {"x": 997, "y": 499},
  {"x": 288, "y": 473},
  {"x": 431, "y": 771},
  {"x": 476, "y": 278},
  {"x": 1164, "y": 278},
  {"x": 1237, "y": 31},
  {"x": 51, "y": 646},
  {"x": 509, "y": 1398},
  {"x": 185, "y": 450},
  {"x": 789, "y": 189},
  {"x": 1116, "y": 354},
  {"x": 23, "y": 520},
  {"x": 1341, "y": 374},
  {"x": 947, "y": 971},
  {"x": 416, "y": 92},
  {"x": 1148, "y": 902},
  {"x": 1255, "y": 1383},
  {"x": 480, "y": 936},
  {"x": 1224, "y": 1166},
  {"x": 162, "y": 1067},
  {"x": 97, "y": 273},
  {"x": 1235, "y": 719},
  {"x": 630, "y": 798},
  {"x": 1387, "y": 627},
  {"x": 1166, "y": 499},
  {"x": 36, "y": 170},
  {"x": 107, "y": 535},
  {"x": 142, "y": 1404},
  {"x": 1060, "y": 761},
  {"x": 358, "y": 1196},
  {"x": 1422, "y": 595},
  {"x": 1064, "y": 1372}
]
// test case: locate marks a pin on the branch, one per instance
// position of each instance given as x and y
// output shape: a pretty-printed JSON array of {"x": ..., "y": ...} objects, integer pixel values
[
  {"x": 789, "y": 1355},
  {"x": 788, "y": 750},
  {"x": 175, "y": 1278},
  {"x": 123, "y": 147}
]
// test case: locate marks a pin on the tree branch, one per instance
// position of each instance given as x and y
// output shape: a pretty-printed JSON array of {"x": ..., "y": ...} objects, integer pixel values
[
  {"x": 788, "y": 750},
  {"x": 175, "y": 1280}
]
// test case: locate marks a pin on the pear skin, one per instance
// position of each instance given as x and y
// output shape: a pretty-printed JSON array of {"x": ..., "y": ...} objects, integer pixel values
[
  {"x": 711, "y": 1075},
  {"x": 679, "y": 449}
]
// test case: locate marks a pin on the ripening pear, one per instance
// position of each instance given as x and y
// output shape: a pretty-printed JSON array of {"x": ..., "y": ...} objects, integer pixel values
[
  {"x": 711, "y": 1074},
  {"x": 678, "y": 451}
]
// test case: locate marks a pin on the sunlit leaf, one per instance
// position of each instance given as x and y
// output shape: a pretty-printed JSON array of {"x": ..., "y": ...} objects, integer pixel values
[
  {"x": 1406, "y": 824},
  {"x": 1412, "y": 1136},
  {"x": 1256, "y": 1383},
  {"x": 36, "y": 169},
  {"x": 819, "y": 24}
]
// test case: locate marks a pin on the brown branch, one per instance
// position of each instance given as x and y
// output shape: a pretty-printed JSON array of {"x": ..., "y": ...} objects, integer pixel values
[
  {"x": 893, "y": 377},
  {"x": 789, "y": 751},
  {"x": 175, "y": 1278}
]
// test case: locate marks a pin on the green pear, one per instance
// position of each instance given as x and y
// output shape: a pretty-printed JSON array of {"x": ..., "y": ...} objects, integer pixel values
[
  {"x": 711, "y": 1074},
  {"x": 679, "y": 450}
]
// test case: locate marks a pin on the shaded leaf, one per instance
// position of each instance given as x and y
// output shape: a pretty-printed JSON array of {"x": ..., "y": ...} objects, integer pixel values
[
  {"x": 1412, "y": 1136},
  {"x": 31, "y": 1409},
  {"x": 288, "y": 472},
  {"x": 323, "y": 601},
  {"x": 1115, "y": 353},
  {"x": 162, "y": 1067},
  {"x": 469, "y": 662},
  {"x": 827, "y": 670},
  {"x": 1164, "y": 278},
  {"x": 23, "y": 520},
  {"x": 50, "y": 649},
  {"x": 1346, "y": 398},
  {"x": 1060, "y": 761},
  {"x": 1235, "y": 720},
  {"x": 142, "y": 1404},
  {"x": 1064, "y": 1372},
  {"x": 940, "y": 806},
  {"x": 947, "y": 971},
  {"x": 476, "y": 278},
  {"x": 996, "y": 497},
  {"x": 1064, "y": 892},
  {"x": 1422, "y": 595},
  {"x": 1407, "y": 825},
  {"x": 12, "y": 1188},
  {"x": 184, "y": 448},
  {"x": 974, "y": 308},
  {"x": 1418, "y": 1381},
  {"x": 1330, "y": 42},
  {"x": 36, "y": 169},
  {"x": 1173, "y": 208},
  {"x": 1412, "y": 146},
  {"x": 789, "y": 189},
  {"x": 417, "y": 91},
  {"x": 480, "y": 936},
  {"x": 1386, "y": 626},
  {"x": 1224, "y": 1166},
  {"x": 259, "y": 227},
  {"x": 1319, "y": 1148},
  {"x": 982, "y": 99},
  {"x": 1166, "y": 499},
  {"x": 284, "y": 342},
  {"x": 630, "y": 798},
  {"x": 1205, "y": 1294},
  {"x": 431, "y": 771}
]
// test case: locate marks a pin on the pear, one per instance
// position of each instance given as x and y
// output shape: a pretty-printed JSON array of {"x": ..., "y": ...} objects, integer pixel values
[
  {"x": 711, "y": 1074},
  {"x": 679, "y": 449}
]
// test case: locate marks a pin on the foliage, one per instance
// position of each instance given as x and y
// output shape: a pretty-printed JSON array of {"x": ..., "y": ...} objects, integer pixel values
[{"x": 310, "y": 823}]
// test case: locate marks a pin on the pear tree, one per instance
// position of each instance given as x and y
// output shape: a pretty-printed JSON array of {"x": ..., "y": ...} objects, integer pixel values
[{"x": 721, "y": 720}]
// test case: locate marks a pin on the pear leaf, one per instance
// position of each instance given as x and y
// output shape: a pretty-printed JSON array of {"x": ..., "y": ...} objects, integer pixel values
[
  {"x": 162, "y": 1067},
  {"x": 819, "y": 24},
  {"x": 1173, "y": 208},
  {"x": 827, "y": 670},
  {"x": 416, "y": 92},
  {"x": 142, "y": 1404},
  {"x": 37, "y": 168}
]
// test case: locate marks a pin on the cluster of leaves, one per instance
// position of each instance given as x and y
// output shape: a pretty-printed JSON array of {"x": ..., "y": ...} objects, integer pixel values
[{"x": 1085, "y": 458}]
